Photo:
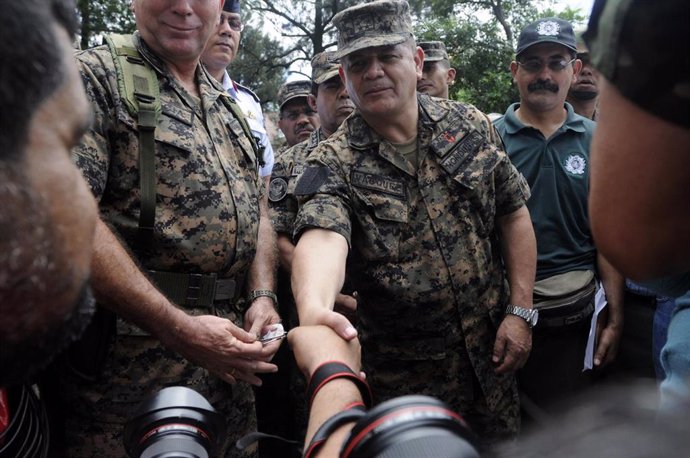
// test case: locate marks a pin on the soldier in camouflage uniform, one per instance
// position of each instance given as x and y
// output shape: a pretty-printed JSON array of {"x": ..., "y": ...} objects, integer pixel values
[
  {"x": 297, "y": 119},
  {"x": 330, "y": 100},
  {"x": 207, "y": 218},
  {"x": 420, "y": 199},
  {"x": 437, "y": 74}
]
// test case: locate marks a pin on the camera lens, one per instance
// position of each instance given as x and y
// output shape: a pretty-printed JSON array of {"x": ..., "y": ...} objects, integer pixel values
[
  {"x": 177, "y": 422},
  {"x": 411, "y": 426}
]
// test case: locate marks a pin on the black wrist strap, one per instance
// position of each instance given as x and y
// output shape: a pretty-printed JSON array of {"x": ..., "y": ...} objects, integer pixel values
[
  {"x": 326, "y": 429},
  {"x": 332, "y": 370}
]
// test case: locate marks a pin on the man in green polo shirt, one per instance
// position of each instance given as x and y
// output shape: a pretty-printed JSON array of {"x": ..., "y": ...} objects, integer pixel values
[{"x": 549, "y": 144}]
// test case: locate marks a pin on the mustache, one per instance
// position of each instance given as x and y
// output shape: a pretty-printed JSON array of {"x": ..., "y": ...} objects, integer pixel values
[{"x": 541, "y": 84}]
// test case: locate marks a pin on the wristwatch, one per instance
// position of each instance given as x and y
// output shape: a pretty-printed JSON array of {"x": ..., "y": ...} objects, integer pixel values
[
  {"x": 531, "y": 316},
  {"x": 257, "y": 293}
]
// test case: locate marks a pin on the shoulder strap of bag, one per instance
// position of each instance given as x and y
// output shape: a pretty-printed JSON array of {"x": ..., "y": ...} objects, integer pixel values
[{"x": 137, "y": 84}]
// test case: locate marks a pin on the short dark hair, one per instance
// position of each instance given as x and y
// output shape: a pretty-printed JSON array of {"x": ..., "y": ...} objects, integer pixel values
[{"x": 31, "y": 66}]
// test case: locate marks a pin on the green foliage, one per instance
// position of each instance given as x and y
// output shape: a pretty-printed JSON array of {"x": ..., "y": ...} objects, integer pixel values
[
  {"x": 100, "y": 17},
  {"x": 259, "y": 65}
]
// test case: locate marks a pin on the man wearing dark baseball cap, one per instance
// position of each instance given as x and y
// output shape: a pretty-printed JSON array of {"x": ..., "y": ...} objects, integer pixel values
[
  {"x": 549, "y": 144},
  {"x": 409, "y": 192}
]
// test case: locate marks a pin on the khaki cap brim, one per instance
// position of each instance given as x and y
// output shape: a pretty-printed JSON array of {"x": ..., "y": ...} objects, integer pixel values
[
  {"x": 326, "y": 76},
  {"x": 374, "y": 41}
]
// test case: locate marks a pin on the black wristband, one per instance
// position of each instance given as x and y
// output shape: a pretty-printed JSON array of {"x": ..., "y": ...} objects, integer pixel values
[
  {"x": 334, "y": 369},
  {"x": 326, "y": 429}
]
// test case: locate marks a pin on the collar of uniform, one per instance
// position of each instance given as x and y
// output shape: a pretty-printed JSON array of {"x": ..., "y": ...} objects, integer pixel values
[
  {"x": 573, "y": 121},
  {"x": 361, "y": 136},
  {"x": 315, "y": 138},
  {"x": 430, "y": 110},
  {"x": 149, "y": 55}
]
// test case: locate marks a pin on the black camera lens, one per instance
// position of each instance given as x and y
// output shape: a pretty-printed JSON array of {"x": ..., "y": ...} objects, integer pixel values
[
  {"x": 177, "y": 422},
  {"x": 411, "y": 427}
]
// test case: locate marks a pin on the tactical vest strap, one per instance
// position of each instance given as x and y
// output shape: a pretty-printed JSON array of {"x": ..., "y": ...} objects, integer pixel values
[
  {"x": 137, "y": 85},
  {"x": 232, "y": 105}
]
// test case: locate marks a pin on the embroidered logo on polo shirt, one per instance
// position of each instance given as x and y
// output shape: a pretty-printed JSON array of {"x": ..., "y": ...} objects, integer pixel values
[
  {"x": 576, "y": 164},
  {"x": 549, "y": 28}
]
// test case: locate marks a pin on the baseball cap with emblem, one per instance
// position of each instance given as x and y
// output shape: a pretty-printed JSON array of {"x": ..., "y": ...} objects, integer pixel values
[
  {"x": 232, "y": 6},
  {"x": 433, "y": 50},
  {"x": 324, "y": 66},
  {"x": 379, "y": 23},
  {"x": 292, "y": 90},
  {"x": 547, "y": 30}
]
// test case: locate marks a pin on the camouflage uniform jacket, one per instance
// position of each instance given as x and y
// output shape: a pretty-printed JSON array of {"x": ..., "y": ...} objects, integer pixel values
[
  {"x": 281, "y": 196},
  {"x": 207, "y": 191},
  {"x": 207, "y": 218},
  {"x": 424, "y": 255}
]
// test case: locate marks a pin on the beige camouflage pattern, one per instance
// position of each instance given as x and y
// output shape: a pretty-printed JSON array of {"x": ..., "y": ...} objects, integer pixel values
[
  {"x": 433, "y": 50},
  {"x": 292, "y": 90},
  {"x": 379, "y": 23},
  {"x": 424, "y": 255},
  {"x": 324, "y": 66},
  {"x": 207, "y": 218}
]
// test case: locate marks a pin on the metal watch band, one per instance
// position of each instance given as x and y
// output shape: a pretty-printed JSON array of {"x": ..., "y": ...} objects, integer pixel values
[
  {"x": 252, "y": 296},
  {"x": 530, "y": 316}
]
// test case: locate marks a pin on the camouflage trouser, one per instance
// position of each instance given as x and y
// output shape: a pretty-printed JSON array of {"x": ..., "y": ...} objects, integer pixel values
[
  {"x": 138, "y": 367},
  {"x": 449, "y": 377}
]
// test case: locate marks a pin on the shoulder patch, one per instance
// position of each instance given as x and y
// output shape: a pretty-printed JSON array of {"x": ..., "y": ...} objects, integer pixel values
[
  {"x": 277, "y": 189},
  {"x": 311, "y": 180}
]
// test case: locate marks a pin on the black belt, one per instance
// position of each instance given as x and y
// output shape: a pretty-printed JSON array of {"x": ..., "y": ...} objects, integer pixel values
[
  {"x": 195, "y": 290},
  {"x": 564, "y": 320}
]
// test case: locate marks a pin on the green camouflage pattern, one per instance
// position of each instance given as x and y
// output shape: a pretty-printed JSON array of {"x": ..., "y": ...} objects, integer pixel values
[
  {"x": 281, "y": 196},
  {"x": 630, "y": 41},
  {"x": 324, "y": 66},
  {"x": 424, "y": 254},
  {"x": 207, "y": 217},
  {"x": 379, "y": 23},
  {"x": 433, "y": 50},
  {"x": 292, "y": 90}
]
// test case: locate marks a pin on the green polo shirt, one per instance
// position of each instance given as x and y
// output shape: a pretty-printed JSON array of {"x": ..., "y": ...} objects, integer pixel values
[{"x": 557, "y": 170}]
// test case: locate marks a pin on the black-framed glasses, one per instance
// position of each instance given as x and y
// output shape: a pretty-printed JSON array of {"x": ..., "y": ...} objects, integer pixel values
[
  {"x": 536, "y": 65},
  {"x": 233, "y": 22}
]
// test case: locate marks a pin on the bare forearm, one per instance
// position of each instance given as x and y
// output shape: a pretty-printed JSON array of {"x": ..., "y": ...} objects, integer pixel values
[
  {"x": 614, "y": 285},
  {"x": 318, "y": 270},
  {"x": 263, "y": 269},
  {"x": 286, "y": 251},
  {"x": 334, "y": 397},
  {"x": 519, "y": 248}
]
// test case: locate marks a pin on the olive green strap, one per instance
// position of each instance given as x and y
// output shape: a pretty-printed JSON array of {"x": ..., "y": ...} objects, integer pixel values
[{"x": 138, "y": 87}]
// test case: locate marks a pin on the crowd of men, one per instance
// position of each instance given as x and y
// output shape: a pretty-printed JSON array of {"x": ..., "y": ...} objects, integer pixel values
[{"x": 151, "y": 235}]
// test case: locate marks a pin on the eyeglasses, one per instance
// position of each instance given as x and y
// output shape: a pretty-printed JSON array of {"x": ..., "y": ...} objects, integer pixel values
[
  {"x": 233, "y": 22},
  {"x": 536, "y": 65},
  {"x": 294, "y": 115}
]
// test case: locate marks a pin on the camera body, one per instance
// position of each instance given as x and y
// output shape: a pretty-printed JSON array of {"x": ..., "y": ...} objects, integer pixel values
[{"x": 176, "y": 422}]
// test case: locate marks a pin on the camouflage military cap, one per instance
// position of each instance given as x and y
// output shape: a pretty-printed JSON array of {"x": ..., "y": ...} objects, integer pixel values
[
  {"x": 292, "y": 90},
  {"x": 324, "y": 66},
  {"x": 433, "y": 50},
  {"x": 379, "y": 23}
]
